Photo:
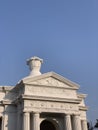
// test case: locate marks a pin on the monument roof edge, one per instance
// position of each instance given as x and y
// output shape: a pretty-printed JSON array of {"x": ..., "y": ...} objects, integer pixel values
[
  {"x": 82, "y": 95},
  {"x": 29, "y": 79}
]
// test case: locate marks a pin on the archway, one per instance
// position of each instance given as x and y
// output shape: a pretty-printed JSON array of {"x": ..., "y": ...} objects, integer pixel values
[{"x": 47, "y": 125}]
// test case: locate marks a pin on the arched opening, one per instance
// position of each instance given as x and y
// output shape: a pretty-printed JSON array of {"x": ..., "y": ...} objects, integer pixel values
[{"x": 47, "y": 125}]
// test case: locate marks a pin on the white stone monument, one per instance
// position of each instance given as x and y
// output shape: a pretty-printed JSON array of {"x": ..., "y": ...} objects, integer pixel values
[{"x": 42, "y": 102}]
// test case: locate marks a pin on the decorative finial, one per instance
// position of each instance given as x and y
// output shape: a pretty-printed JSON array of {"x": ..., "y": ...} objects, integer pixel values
[{"x": 35, "y": 65}]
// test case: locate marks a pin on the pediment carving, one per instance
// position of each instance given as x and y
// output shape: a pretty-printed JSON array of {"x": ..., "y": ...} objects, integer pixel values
[{"x": 50, "y": 81}]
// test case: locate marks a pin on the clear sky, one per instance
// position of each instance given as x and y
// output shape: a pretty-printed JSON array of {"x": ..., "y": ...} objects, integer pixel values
[{"x": 62, "y": 32}]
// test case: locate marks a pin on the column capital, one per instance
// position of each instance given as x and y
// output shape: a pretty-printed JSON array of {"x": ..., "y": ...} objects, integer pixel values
[
  {"x": 26, "y": 111},
  {"x": 76, "y": 114},
  {"x": 35, "y": 112},
  {"x": 67, "y": 114}
]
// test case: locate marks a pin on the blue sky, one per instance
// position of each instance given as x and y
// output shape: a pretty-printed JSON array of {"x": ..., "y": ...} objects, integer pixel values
[{"x": 64, "y": 33}]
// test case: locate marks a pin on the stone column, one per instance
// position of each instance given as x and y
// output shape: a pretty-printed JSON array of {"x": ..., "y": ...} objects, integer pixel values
[
  {"x": 26, "y": 121},
  {"x": 84, "y": 125},
  {"x": 36, "y": 123},
  {"x": 76, "y": 122},
  {"x": 67, "y": 122}
]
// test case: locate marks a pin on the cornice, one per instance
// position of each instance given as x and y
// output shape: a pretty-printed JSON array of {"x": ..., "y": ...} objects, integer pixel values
[
  {"x": 54, "y": 99},
  {"x": 48, "y": 86},
  {"x": 7, "y": 102},
  {"x": 83, "y": 108},
  {"x": 81, "y": 95},
  {"x": 60, "y": 78}
]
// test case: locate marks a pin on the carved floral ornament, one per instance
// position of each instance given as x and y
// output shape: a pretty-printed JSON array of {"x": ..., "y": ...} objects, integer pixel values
[{"x": 51, "y": 105}]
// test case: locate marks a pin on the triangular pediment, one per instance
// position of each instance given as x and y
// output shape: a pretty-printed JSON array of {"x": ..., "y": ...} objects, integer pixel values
[{"x": 50, "y": 79}]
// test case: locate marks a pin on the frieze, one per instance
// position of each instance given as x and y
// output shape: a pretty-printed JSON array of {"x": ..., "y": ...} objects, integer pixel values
[{"x": 50, "y": 105}]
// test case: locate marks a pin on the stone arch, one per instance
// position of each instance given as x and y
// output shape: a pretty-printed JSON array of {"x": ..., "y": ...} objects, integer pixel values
[{"x": 49, "y": 124}]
